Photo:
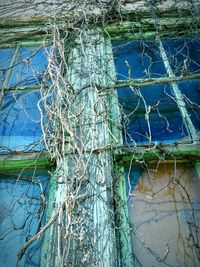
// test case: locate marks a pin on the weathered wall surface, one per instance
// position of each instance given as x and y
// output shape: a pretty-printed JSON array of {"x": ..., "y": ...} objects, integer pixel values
[
  {"x": 10, "y": 9},
  {"x": 31, "y": 19}
]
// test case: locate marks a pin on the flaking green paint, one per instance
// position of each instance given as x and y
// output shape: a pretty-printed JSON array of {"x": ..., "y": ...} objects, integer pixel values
[
  {"x": 164, "y": 152},
  {"x": 124, "y": 231},
  {"x": 48, "y": 235}
]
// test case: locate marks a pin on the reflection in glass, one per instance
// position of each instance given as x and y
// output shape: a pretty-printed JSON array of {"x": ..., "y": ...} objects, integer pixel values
[
  {"x": 183, "y": 54},
  {"x": 22, "y": 210},
  {"x": 153, "y": 113},
  {"x": 137, "y": 60},
  {"x": 27, "y": 68},
  {"x": 20, "y": 121},
  {"x": 148, "y": 116},
  {"x": 164, "y": 210}
]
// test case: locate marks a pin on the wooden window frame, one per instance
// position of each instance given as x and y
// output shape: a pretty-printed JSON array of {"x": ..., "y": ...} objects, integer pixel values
[{"x": 147, "y": 153}]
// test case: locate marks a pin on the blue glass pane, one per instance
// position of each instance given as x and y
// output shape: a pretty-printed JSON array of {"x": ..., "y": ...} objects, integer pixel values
[
  {"x": 21, "y": 214},
  {"x": 137, "y": 60},
  {"x": 32, "y": 63},
  {"x": 150, "y": 114},
  {"x": 191, "y": 94},
  {"x": 20, "y": 120},
  {"x": 183, "y": 54}
]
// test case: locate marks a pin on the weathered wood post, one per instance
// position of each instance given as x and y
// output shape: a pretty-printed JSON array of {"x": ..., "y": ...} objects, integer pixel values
[{"x": 86, "y": 162}]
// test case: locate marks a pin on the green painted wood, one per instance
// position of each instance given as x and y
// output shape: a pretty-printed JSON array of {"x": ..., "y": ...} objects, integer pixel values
[
  {"x": 19, "y": 164},
  {"x": 130, "y": 26},
  {"x": 26, "y": 43},
  {"x": 49, "y": 237},
  {"x": 86, "y": 157},
  {"x": 197, "y": 166},
  {"x": 144, "y": 27},
  {"x": 160, "y": 152},
  {"x": 26, "y": 88},
  {"x": 122, "y": 217},
  {"x": 19, "y": 159},
  {"x": 94, "y": 54},
  {"x": 114, "y": 110}
]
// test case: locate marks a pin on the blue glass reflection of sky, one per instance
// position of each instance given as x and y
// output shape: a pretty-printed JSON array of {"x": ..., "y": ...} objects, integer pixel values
[
  {"x": 142, "y": 60},
  {"x": 20, "y": 119},
  {"x": 191, "y": 93},
  {"x": 142, "y": 57},
  {"x": 183, "y": 54},
  {"x": 20, "y": 211},
  {"x": 29, "y": 66},
  {"x": 166, "y": 123},
  {"x": 32, "y": 65}
]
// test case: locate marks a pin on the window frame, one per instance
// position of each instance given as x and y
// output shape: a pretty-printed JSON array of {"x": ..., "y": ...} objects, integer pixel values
[
  {"x": 163, "y": 153},
  {"x": 20, "y": 160}
]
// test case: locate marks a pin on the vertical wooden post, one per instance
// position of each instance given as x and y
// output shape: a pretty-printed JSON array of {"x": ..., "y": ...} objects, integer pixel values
[
  {"x": 124, "y": 231},
  {"x": 91, "y": 68},
  {"x": 197, "y": 166}
]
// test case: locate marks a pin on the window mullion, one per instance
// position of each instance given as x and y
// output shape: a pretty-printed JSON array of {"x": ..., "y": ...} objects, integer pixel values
[
  {"x": 197, "y": 166},
  {"x": 124, "y": 229},
  {"x": 9, "y": 74},
  {"x": 154, "y": 81},
  {"x": 178, "y": 96}
]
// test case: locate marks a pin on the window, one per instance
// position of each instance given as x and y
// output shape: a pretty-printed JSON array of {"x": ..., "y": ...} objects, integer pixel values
[
  {"x": 158, "y": 168},
  {"x": 24, "y": 179},
  {"x": 163, "y": 112},
  {"x": 22, "y": 211},
  {"x": 21, "y": 76},
  {"x": 145, "y": 123},
  {"x": 164, "y": 211}
]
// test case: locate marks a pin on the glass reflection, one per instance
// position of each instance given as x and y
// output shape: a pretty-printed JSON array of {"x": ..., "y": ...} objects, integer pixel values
[
  {"x": 164, "y": 209},
  {"x": 22, "y": 210}
]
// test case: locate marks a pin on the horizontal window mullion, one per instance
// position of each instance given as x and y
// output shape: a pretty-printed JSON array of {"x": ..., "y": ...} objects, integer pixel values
[
  {"x": 25, "y": 88},
  {"x": 19, "y": 160},
  {"x": 154, "y": 81},
  {"x": 158, "y": 152}
]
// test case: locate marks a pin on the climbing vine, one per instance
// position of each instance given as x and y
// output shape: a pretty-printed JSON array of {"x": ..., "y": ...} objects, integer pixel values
[{"x": 101, "y": 126}]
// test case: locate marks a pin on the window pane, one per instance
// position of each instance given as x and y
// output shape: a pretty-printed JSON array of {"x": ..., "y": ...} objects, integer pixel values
[
  {"x": 183, "y": 54},
  {"x": 22, "y": 210},
  {"x": 191, "y": 94},
  {"x": 20, "y": 118},
  {"x": 33, "y": 63},
  {"x": 164, "y": 209},
  {"x": 155, "y": 113},
  {"x": 150, "y": 114},
  {"x": 28, "y": 66},
  {"x": 140, "y": 59}
]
